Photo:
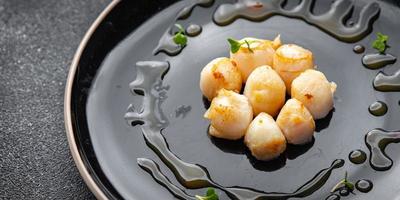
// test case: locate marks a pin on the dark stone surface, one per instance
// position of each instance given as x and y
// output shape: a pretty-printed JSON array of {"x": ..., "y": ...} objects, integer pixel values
[{"x": 37, "y": 41}]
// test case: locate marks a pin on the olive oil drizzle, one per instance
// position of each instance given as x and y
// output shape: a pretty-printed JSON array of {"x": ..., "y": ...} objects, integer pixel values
[
  {"x": 387, "y": 83},
  {"x": 376, "y": 141},
  {"x": 152, "y": 168},
  {"x": 331, "y": 22},
  {"x": 377, "y": 60}
]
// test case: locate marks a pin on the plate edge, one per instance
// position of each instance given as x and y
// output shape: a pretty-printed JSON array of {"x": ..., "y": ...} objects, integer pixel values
[{"x": 93, "y": 187}]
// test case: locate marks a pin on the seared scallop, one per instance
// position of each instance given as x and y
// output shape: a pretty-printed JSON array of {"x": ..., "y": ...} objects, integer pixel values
[
  {"x": 290, "y": 61},
  {"x": 230, "y": 114},
  {"x": 296, "y": 122},
  {"x": 254, "y": 53},
  {"x": 264, "y": 138},
  {"x": 314, "y": 90},
  {"x": 265, "y": 90},
  {"x": 219, "y": 73}
]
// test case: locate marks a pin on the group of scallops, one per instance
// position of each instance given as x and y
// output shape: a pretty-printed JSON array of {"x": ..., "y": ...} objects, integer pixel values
[{"x": 268, "y": 70}]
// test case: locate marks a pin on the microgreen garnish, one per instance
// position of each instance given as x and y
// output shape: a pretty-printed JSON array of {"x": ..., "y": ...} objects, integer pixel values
[
  {"x": 380, "y": 43},
  {"x": 210, "y": 195},
  {"x": 235, "y": 45},
  {"x": 343, "y": 183},
  {"x": 248, "y": 46},
  {"x": 180, "y": 37}
]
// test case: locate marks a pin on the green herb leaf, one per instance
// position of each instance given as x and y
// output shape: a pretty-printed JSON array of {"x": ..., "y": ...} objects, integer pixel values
[
  {"x": 248, "y": 46},
  {"x": 180, "y": 28},
  {"x": 210, "y": 195},
  {"x": 343, "y": 183},
  {"x": 380, "y": 42},
  {"x": 349, "y": 185},
  {"x": 337, "y": 186},
  {"x": 180, "y": 37},
  {"x": 210, "y": 191},
  {"x": 235, "y": 45}
]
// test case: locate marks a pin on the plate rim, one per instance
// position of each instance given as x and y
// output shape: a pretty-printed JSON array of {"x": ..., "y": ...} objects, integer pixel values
[{"x": 83, "y": 171}]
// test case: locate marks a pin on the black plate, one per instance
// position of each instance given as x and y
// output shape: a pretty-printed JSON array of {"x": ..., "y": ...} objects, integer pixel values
[{"x": 109, "y": 146}]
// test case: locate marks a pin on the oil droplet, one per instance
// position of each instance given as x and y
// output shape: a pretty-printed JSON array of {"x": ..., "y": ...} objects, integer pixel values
[
  {"x": 387, "y": 83},
  {"x": 344, "y": 192},
  {"x": 193, "y": 30},
  {"x": 364, "y": 185},
  {"x": 333, "y": 197},
  {"x": 378, "y": 108},
  {"x": 357, "y": 156},
  {"x": 377, "y": 60},
  {"x": 376, "y": 141},
  {"x": 358, "y": 49}
]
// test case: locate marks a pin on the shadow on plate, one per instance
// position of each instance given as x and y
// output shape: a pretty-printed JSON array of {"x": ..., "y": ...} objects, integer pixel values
[
  {"x": 238, "y": 147},
  {"x": 322, "y": 124}
]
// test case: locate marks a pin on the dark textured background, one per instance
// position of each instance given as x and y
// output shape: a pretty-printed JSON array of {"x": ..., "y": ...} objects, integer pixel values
[{"x": 37, "y": 41}]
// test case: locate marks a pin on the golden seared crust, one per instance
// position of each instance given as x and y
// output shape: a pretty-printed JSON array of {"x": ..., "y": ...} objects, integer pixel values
[
  {"x": 293, "y": 53},
  {"x": 218, "y": 74},
  {"x": 309, "y": 96},
  {"x": 226, "y": 112},
  {"x": 217, "y": 68},
  {"x": 223, "y": 111},
  {"x": 230, "y": 115}
]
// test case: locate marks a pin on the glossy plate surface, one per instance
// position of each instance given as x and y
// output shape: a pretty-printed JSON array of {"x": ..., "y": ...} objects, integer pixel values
[{"x": 109, "y": 146}]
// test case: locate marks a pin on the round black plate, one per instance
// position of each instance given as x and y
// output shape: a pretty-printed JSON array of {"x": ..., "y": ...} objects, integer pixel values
[{"x": 109, "y": 146}]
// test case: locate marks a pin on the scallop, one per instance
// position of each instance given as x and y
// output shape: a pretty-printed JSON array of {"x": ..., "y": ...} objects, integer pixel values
[
  {"x": 261, "y": 52},
  {"x": 265, "y": 90},
  {"x": 290, "y": 61},
  {"x": 316, "y": 93},
  {"x": 219, "y": 73},
  {"x": 264, "y": 138},
  {"x": 296, "y": 122},
  {"x": 230, "y": 114}
]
